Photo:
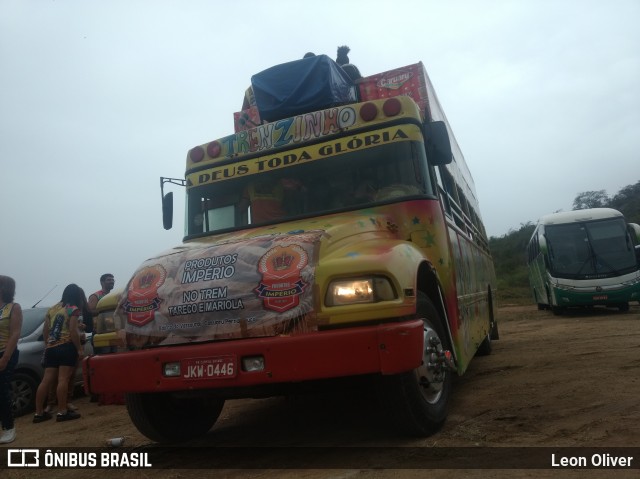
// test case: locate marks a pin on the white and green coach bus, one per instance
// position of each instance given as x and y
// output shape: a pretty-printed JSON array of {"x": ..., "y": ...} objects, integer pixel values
[{"x": 584, "y": 258}]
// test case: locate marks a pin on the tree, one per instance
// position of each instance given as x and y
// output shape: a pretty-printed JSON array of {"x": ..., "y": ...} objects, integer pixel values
[
  {"x": 509, "y": 255},
  {"x": 591, "y": 199},
  {"x": 627, "y": 201}
]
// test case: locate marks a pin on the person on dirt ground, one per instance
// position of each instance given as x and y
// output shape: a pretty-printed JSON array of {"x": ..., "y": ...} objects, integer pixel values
[
  {"x": 62, "y": 351},
  {"x": 10, "y": 327},
  {"x": 107, "y": 282},
  {"x": 52, "y": 396}
]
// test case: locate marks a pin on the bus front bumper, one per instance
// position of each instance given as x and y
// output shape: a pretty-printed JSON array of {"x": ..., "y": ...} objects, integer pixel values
[
  {"x": 386, "y": 349},
  {"x": 567, "y": 297}
]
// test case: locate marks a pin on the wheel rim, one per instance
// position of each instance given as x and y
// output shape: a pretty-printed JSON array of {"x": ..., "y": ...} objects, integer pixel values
[
  {"x": 430, "y": 373},
  {"x": 21, "y": 395}
]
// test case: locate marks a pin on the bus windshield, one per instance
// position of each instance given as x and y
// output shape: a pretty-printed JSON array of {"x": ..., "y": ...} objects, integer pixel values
[
  {"x": 343, "y": 182},
  {"x": 588, "y": 250}
]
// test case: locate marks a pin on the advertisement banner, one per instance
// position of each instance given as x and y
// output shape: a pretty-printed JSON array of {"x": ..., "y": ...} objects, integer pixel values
[{"x": 249, "y": 288}]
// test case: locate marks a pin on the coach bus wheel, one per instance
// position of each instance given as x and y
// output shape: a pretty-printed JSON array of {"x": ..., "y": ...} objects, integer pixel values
[
  {"x": 416, "y": 401},
  {"x": 623, "y": 307},
  {"x": 165, "y": 418},
  {"x": 535, "y": 296}
]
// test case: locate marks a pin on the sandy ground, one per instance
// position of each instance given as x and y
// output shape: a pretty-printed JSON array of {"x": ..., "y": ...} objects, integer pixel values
[{"x": 567, "y": 381}]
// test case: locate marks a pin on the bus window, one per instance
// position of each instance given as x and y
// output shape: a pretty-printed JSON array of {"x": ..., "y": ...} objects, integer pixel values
[{"x": 353, "y": 180}]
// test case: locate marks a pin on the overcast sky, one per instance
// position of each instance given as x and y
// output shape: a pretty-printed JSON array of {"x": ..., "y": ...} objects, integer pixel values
[{"x": 98, "y": 99}]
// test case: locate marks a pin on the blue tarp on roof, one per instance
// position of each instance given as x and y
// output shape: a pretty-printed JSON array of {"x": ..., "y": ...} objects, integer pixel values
[{"x": 301, "y": 86}]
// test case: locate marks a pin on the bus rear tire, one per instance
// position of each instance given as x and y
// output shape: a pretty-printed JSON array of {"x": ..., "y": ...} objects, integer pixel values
[
  {"x": 167, "y": 419},
  {"x": 485, "y": 347},
  {"x": 416, "y": 402}
]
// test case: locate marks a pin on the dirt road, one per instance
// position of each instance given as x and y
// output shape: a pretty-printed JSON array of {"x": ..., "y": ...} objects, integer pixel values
[{"x": 554, "y": 381}]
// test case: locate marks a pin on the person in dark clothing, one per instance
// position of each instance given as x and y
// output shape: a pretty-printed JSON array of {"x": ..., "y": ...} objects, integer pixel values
[
  {"x": 10, "y": 326},
  {"x": 343, "y": 60},
  {"x": 62, "y": 352}
]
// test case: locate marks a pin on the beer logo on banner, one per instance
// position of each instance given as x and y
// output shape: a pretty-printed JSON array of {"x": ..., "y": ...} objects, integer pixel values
[
  {"x": 282, "y": 284},
  {"x": 395, "y": 82},
  {"x": 142, "y": 295}
]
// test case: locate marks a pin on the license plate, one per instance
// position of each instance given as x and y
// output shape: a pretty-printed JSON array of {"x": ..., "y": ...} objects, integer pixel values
[
  {"x": 600, "y": 297},
  {"x": 217, "y": 367}
]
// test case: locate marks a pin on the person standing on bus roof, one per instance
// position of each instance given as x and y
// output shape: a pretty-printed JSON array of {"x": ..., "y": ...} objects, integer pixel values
[
  {"x": 343, "y": 60},
  {"x": 10, "y": 327}
]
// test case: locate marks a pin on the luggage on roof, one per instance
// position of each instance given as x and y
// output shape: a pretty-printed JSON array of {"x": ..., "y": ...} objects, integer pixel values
[{"x": 301, "y": 86}]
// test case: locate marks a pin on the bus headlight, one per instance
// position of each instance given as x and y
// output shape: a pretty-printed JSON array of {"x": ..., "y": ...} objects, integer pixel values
[{"x": 359, "y": 290}]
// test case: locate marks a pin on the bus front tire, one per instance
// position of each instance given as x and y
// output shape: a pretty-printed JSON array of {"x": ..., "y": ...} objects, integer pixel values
[
  {"x": 416, "y": 402},
  {"x": 167, "y": 419}
]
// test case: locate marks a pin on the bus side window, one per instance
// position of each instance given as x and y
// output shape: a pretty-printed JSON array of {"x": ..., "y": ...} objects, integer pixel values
[{"x": 444, "y": 186}]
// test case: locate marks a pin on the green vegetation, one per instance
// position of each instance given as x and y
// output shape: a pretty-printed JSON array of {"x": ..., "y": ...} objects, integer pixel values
[
  {"x": 509, "y": 250},
  {"x": 510, "y": 262}
]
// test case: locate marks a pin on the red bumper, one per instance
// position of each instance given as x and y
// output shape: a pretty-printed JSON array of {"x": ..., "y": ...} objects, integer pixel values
[{"x": 386, "y": 349}]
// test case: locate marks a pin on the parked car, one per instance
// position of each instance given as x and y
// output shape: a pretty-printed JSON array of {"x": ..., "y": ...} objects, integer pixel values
[{"x": 29, "y": 370}]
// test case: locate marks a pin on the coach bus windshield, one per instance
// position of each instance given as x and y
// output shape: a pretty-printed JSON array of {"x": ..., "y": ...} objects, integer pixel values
[
  {"x": 587, "y": 250},
  {"x": 338, "y": 183}
]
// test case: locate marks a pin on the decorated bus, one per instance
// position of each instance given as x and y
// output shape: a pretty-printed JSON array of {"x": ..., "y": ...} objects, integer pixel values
[
  {"x": 584, "y": 258},
  {"x": 335, "y": 234}
]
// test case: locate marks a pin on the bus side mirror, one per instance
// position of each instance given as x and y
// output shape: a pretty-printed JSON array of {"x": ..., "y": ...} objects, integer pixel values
[
  {"x": 167, "y": 210},
  {"x": 437, "y": 143}
]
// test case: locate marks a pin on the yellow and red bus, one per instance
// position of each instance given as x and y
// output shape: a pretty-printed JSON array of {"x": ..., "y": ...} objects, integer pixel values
[{"x": 333, "y": 243}]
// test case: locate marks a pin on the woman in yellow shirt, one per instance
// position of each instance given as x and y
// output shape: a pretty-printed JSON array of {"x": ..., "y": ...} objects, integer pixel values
[
  {"x": 10, "y": 326},
  {"x": 62, "y": 351}
]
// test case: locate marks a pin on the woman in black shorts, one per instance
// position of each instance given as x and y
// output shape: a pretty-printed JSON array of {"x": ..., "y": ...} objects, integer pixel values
[{"x": 63, "y": 349}]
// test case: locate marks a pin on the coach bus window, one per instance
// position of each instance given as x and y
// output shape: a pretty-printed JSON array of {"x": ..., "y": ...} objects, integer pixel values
[{"x": 589, "y": 249}]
